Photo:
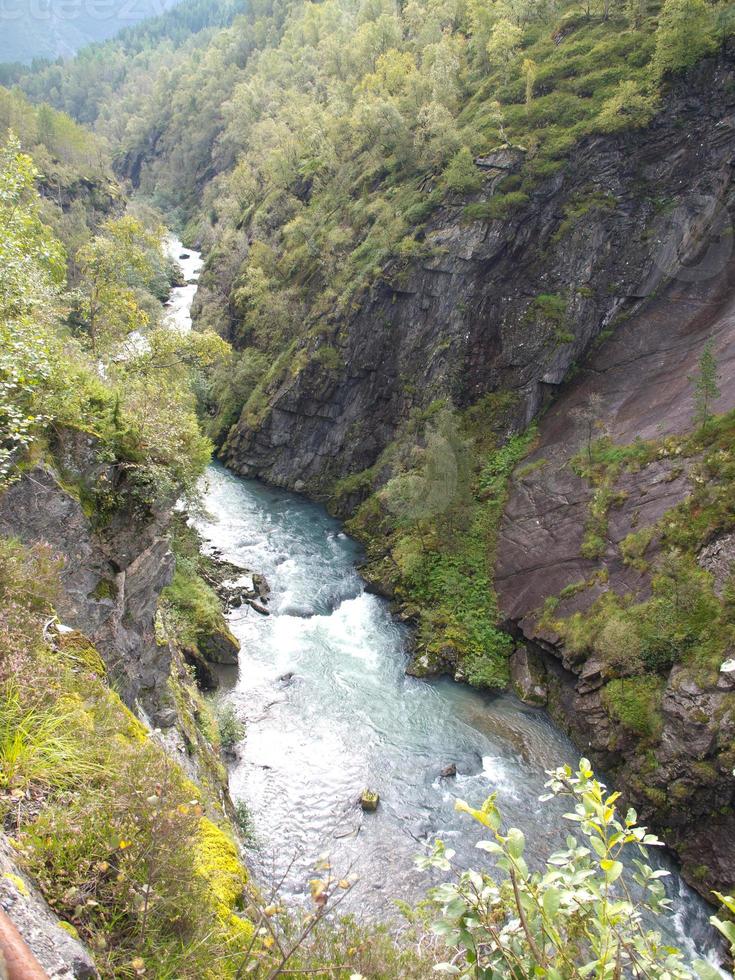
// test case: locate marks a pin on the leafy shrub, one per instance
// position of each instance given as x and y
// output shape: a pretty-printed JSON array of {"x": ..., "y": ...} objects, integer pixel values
[
  {"x": 462, "y": 175},
  {"x": 231, "y": 730},
  {"x": 685, "y": 34},
  {"x": 498, "y": 208},
  {"x": 575, "y": 918}
]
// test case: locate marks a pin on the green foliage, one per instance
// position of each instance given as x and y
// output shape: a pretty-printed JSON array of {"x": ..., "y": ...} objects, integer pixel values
[
  {"x": 726, "y": 926},
  {"x": 329, "y": 358},
  {"x": 38, "y": 745},
  {"x": 549, "y": 308},
  {"x": 116, "y": 265},
  {"x": 224, "y": 388},
  {"x": 193, "y": 608},
  {"x": 706, "y": 390},
  {"x": 231, "y": 730},
  {"x": 580, "y": 205},
  {"x": 635, "y": 703},
  {"x": 302, "y": 144},
  {"x": 685, "y": 33},
  {"x": 32, "y": 263},
  {"x": 587, "y": 913},
  {"x": 628, "y": 108},
  {"x": 682, "y": 621},
  {"x": 110, "y": 828},
  {"x": 438, "y": 519},
  {"x": 462, "y": 175},
  {"x": 140, "y": 402},
  {"x": 61, "y": 147},
  {"x": 498, "y": 208}
]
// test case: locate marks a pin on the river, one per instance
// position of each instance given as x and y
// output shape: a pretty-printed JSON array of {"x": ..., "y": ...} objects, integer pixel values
[{"x": 329, "y": 711}]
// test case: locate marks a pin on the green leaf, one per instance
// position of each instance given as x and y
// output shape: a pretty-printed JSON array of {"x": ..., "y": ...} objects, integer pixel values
[
  {"x": 705, "y": 971},
  {"x": 551, "y": 902},
  {"x": 612, "y": 869},
  {"x": 516, "y": 842},
  {"x": 598, "y": 846},
  {"x": 726, "y": 928}
]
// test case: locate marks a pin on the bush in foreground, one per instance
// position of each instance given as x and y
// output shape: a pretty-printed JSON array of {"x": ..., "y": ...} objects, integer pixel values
[{"x": 590, "y": 913}]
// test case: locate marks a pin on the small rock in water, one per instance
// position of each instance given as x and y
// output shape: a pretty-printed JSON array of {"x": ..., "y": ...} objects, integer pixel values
[
  {"x": 369, "y": 800},
  {"x": 185, "y": 255},
  {"x": 447, "y": 771},
  {"x": 259, "y": 608},
  {"x": 287, "y": 677}
]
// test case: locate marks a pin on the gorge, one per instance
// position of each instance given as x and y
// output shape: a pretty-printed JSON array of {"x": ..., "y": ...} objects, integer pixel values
[{"x": 407, "y": 479}]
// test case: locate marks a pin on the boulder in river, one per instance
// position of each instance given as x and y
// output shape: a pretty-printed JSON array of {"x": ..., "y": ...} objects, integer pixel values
[
  {"x": 448, "y": 771},
  {"x": 369, "y": 800},
  {"x": 259, "y": 607},
  {"x": 528, "y": 676},
  {"x": 185, "y": 255}
]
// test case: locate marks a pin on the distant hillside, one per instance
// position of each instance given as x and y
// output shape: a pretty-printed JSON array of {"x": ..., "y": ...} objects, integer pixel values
[
  {"x": 55, "y": 29},
  {"x": 52, "y": 29}
]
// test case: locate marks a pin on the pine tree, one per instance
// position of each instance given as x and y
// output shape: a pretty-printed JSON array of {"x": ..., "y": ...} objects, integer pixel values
[{"x": 706, "y": 390}]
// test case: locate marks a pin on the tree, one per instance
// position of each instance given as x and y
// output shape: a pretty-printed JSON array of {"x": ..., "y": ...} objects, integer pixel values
[
  {"x": 588, "y": 417},
  {"x": 502, "y": 48},
  {"x": 530, "y": 70},
  {"x": 685, "y": 33},
  {"x": 32, "y": 264},
  {"x": 706, "y": 391},
  {"x": 586, "y": 914},
  {"x": 115, "y": 265},
  {"x": 436, "y": 135},
  {"x": 628, "y": 108},
  {"x": 438, "y": 482}
]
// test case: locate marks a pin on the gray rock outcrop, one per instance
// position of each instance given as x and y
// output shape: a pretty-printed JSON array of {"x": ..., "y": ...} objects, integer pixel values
[
  {"x": 111, "y": 575},
  {"x": 61, "y": 955}
]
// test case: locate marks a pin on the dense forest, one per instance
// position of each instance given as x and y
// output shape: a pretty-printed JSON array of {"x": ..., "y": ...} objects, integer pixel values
[{"x": 425, "y": 227}]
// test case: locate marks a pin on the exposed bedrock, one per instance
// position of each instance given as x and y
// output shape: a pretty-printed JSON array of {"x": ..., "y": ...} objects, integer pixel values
[
  {"x": 642, "y": 376},
  {"x": 112, "y": 572}
]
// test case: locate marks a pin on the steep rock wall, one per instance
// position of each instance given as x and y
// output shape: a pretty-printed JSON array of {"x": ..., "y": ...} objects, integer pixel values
[
  {"x": 506, "y": 304},
  {"x": 642, "y": 377},
  {"x": 112, "y": 572}
]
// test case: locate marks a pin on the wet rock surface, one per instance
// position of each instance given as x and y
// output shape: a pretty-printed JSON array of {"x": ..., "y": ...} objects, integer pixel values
[
  {"x": 528, "y": 677},
  {"x": 234, "y": 584}
]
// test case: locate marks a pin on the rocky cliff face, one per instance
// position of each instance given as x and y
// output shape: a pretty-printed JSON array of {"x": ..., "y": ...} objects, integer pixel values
[
  {"x": 641, "y": 377},
  {"x": 112, "y": 570},
  {"x": 508, "y": 303}
]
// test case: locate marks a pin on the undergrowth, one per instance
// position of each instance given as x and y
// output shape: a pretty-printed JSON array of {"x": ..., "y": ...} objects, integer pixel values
[{"x": 431, "y": 533}]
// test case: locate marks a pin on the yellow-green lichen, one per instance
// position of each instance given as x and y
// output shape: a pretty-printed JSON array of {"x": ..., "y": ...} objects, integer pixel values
[
  {"x": 218, "y": 862},
  {"x": 18, "y": 882}
]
